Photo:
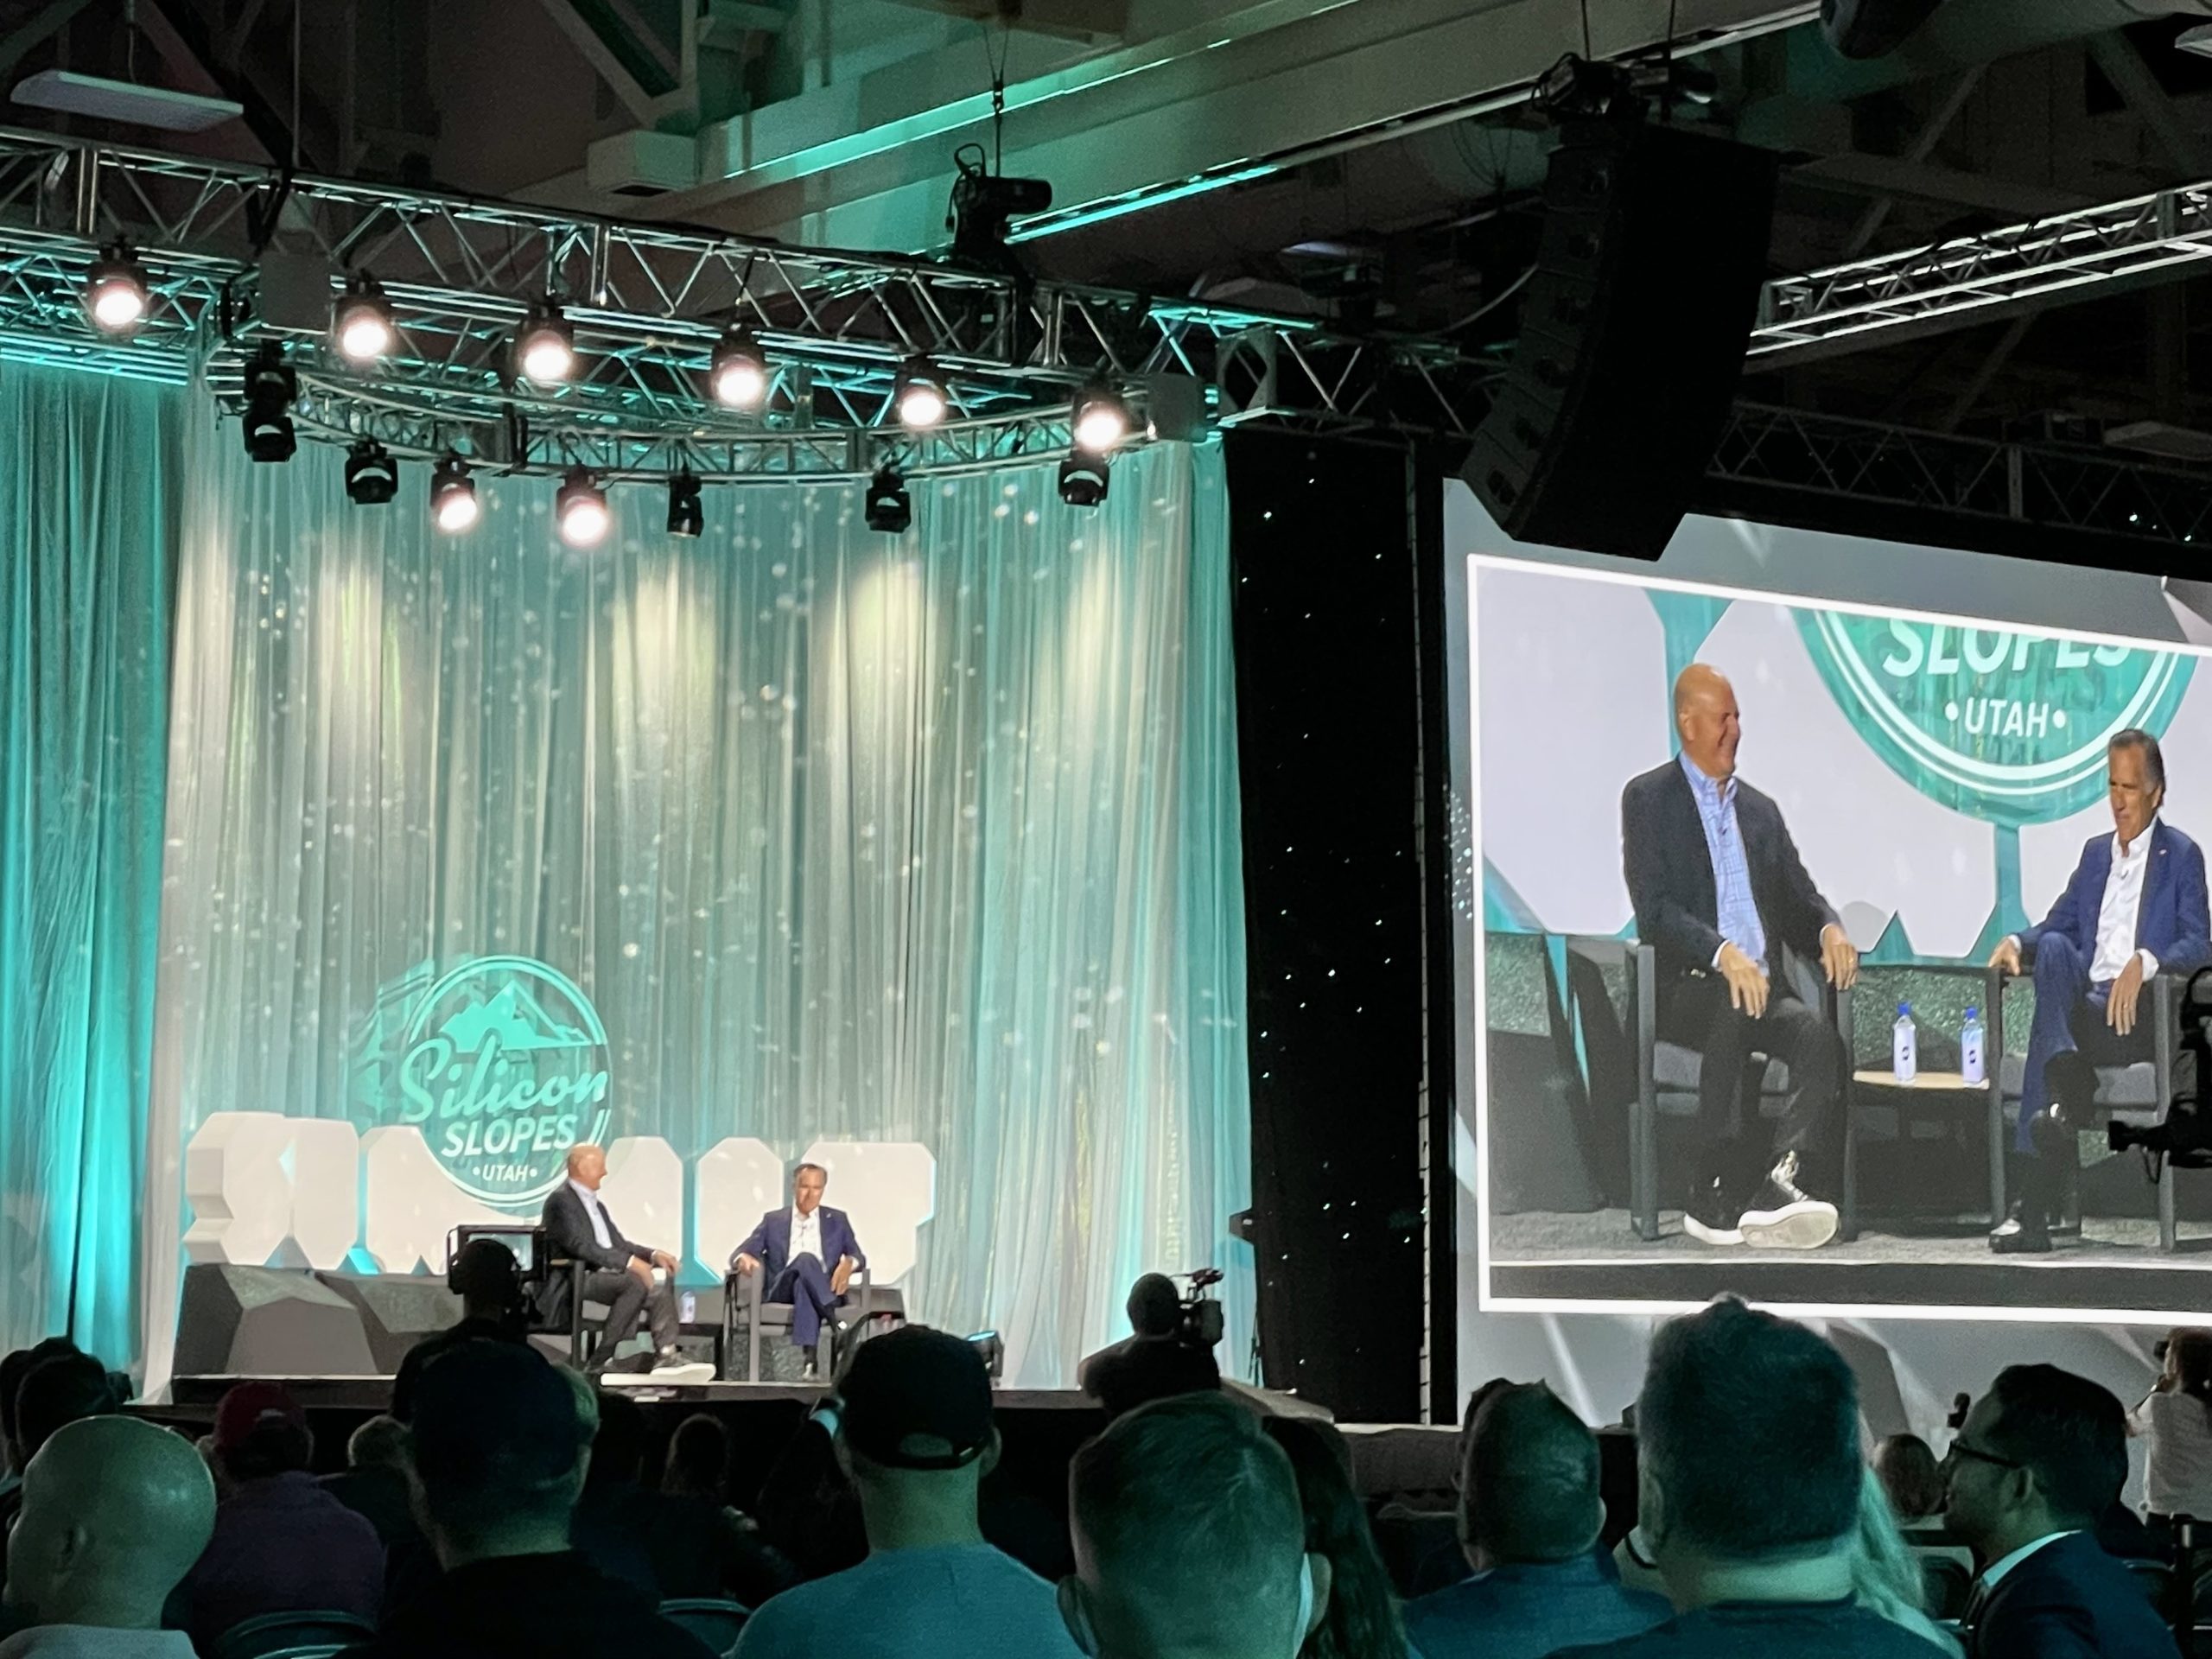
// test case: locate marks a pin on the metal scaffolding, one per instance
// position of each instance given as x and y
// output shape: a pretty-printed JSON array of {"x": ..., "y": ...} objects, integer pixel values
[{"x": 237, "y": 255}]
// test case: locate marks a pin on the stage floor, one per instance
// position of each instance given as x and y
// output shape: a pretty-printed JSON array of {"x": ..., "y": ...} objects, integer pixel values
[
  {"x": 2115, "y": 1266},
  {"x": 189, "y": 1394}
]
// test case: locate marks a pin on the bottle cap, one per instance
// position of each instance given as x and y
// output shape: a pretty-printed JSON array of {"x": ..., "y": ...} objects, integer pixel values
[
  {"x": 1904, "y": 1008},
  {"x": 1972, "y": 1013}
]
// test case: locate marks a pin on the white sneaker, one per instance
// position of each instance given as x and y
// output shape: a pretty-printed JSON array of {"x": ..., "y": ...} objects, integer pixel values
[
  {"x": 1706, "y": 1233},
  {"x": 679, "y": 1372},
  {"x": 1783, "y": 1218}
]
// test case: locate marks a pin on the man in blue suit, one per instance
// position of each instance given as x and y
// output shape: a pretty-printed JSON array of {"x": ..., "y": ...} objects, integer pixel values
[
  {"x": 808, "y": 1252},
  {"x": 2136, "y": 904}
]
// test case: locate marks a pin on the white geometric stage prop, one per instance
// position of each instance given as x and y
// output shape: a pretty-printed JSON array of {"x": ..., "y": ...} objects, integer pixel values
[{"x": 270, "y": 1190}]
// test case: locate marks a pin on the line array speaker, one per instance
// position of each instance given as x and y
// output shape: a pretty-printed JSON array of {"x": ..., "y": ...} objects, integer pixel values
[{"x": 1632, "y": 336}]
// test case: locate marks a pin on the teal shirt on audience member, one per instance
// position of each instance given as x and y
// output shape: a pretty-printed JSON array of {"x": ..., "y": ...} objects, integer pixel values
[{"x": 957, "y": 1601}]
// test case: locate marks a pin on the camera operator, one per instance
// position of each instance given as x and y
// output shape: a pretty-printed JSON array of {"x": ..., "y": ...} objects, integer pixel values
[
  {"x": 2176, "y": 1418},
  {"x": 489, "y": 1281},
  {"x": 1170, "y": 1353}
]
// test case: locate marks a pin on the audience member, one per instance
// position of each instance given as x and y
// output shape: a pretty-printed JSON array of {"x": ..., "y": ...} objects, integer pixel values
[
  {"x": 13, "y": 1370},
  {"x": 1189, "y": 1540},
  {"x": 114, "y": 1511},
  {"x": 809, "y": 1512},
  {"x": 2040, "y": 1457},
  {"x": 1749, "y": 1478},
  {"x": 1156, "y": 1362},
  {"x": 489, "y": 1282},
  {"x": 698, "y": 1460},
  {"x": 1887, "y": 1577},
  {"x": 2176, "y": 1418},
  {"x": 283, "y": 1542},
  {"x": 609, "y": 1529},
  {"x": 374, "y": 1482},
  {"x": 915, "y": 1435},
  {"x": 499, "y": 1442},
  {"x": 691, "y": 1506},
  {"x": 1906, "y": 1468},
  {"x": 1362, "y": 1621},
  {"x": 61, "y": 1387},
  {"x": 1530, "y": 1515}
]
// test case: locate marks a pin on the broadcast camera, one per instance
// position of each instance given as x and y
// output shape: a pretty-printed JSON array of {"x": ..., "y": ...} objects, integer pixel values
[
  {"x": 1202, "y": 1323},
  {"x": 2185, "y": 1140}
]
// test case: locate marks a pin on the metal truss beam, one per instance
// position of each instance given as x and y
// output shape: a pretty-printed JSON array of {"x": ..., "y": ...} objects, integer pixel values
[
  {"x": 1968, "y": 280},
  {"x": 2044, "y": 500},
  {"x": 647, "y": 303}
]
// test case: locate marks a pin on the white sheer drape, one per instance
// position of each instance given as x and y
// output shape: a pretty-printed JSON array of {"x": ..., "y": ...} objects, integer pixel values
[{"x": 930, "y": 837}]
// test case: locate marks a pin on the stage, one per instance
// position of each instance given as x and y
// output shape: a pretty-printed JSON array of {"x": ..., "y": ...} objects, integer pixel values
[{"x": 2115, "y": 1267}]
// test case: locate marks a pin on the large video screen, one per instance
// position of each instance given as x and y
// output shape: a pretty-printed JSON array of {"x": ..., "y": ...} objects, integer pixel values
[{"x": 1718, "y": 844}]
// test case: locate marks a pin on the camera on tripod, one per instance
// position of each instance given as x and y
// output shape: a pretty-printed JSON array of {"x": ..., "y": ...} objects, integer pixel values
[
  {"x": 2184, "y": 1139},
  {"x": 1202, "y": 1323}
]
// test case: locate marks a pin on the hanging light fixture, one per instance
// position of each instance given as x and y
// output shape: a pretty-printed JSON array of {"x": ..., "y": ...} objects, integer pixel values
[
  {"x": 371, "y": 474},
  {"x": 360, "y": 321},
  {"x": 686, "y": 517},
  {"x": 453, "y": 496},
  {"x": 581, "y": 508},
  {"x": 266, "y": 423},
  {"x": 890, "y": 509},
  {"x": 116, "y": 297},
  {"x": 1083, "y": 479},
  {"x": 918, "y": 394},
  {"x": 545, "y": 344},
  {"x": 738, "y": 372},
  {"x": 1102, "y": 419}
]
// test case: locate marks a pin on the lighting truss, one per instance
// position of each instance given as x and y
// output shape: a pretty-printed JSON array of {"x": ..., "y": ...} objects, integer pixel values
[
  {"x": 647, "y": 301},
  {"x": 2051, "y": 488},
  {"x": 1975, "y": 278}
]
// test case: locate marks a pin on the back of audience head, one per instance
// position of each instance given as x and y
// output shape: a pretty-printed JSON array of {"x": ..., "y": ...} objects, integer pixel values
[
  {"x": 917, "y": 1434},
  {"x": 380, "y": 1443},
  {"x": 698, "y": 1460},
  {"x": 60, "y": 1390},
  {"x": 487, "y": 1279},
  {"x": 1748, "y": 1456},
  {"x": 618, "y": 1446},
  {"x": 1910, "y": 1476},
  {"x": 115, "y": 1513},
  {"x": 261, "y": 1431},
  {"x": 1528, "y": 1480},
  {"x": 1190, "y": 1539},
  {"x": 2042, "y": 1450},
  {"x": 1362, "y": 1621},
  {"x": 498, "y": 1446},
  {"x": 13, "y": 1370},
  {"x": 1154, "y": 1308}
]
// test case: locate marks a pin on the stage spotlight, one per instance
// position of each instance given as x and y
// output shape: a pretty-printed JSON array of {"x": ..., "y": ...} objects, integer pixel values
[
  {"x": 371, "y": 474},
  {"x": 580, "y": 506},
  {"x": 453, "y": 496},
  {"x": 270, "y": 386},
  {"x": 685, "y": 516},
  {"x": 919, "y": 394},
  {"x": 546, "y": 346},
  {"x": 1102, "y": 419},
  {"x": 1083, "y": 478},
  {"x": 116, "y": 298},
  {"x": 739, "y": 371},
  {"x": 360, "y": 321},
  {"x": 991, "y": 1350},
  {"x": 890, "y": 509}
]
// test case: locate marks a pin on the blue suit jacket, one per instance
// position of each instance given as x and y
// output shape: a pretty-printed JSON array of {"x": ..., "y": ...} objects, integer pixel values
[
  {"x": 2069, "y": 1600},
  {"x": 2171, "y": 922},
  {"x": 770, "y": 1244}
]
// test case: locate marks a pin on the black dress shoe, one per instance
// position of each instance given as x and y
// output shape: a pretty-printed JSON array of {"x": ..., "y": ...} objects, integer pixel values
[{"x": 2022, "y": 1233}]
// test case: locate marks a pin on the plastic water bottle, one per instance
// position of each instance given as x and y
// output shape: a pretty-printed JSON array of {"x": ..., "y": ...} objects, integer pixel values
[
  {"x": 1905, "y": 1054},
  {"x": 687, "y": 1306},
  {"x": 1970, "y": 1060}
]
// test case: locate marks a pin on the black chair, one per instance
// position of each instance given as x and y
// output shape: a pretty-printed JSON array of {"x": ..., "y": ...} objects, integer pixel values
[
  {"x": 572, "y": 1316},
  {"x": 292, "y": 1636},
  {"x": 717, "y": 1623},
  {"x": 1667, "y": 1074},
  {"x": 1947, "y": 1584},
  {"x": 744, "y": 1309}
]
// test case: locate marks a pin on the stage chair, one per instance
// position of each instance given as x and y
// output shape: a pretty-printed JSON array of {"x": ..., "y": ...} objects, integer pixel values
[
  {"x": 577, "y": 1321},
  {"x": 1666, "y": 1074},
  {"x": 2137, "y": 1094},
  {"x": 292, "y": 1636},
  {"x": 718, "y": 1624},
  {"x": 743, "y": 1308}
]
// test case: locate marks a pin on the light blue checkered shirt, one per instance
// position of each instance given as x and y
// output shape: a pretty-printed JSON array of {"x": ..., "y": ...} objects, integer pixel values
[{"x": 1738, "y": 918}]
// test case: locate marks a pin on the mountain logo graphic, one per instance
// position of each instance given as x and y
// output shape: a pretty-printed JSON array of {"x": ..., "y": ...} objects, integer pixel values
[{"x": 502, "y": 1063}]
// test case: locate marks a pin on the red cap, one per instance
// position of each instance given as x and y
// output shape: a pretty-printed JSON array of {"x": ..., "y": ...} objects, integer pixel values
[{"x": 251, "y": 1404}]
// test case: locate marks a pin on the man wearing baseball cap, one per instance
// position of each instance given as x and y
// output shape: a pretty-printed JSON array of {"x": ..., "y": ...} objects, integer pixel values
[
  {"x": 284, "y": 1543},
  {"x": 501, "y": 1441},
  {"x": 914, "y": 1433}
]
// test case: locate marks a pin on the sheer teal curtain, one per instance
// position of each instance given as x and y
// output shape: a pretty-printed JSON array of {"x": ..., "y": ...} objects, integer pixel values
[
  {"x": 88, "y": 507},
  {"x": 930, "y": 837}
]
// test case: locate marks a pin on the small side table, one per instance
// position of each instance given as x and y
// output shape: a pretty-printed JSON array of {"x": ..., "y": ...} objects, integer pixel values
[{"x": 1877, "y": 1084}]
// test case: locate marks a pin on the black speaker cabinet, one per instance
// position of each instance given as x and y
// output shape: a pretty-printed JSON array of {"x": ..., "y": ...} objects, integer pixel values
[
  {"x": 267, "y": 1322},
  {"x": 1632, "y": 336}
]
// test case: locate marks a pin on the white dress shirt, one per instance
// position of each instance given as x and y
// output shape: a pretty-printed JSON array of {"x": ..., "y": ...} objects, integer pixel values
[
  {"x": 2116, "y": 917},
  {"x": 597, "y": 1212},
  {"x": 806, "y": 1234},
  {"x": 1999, "y": 1568}
]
